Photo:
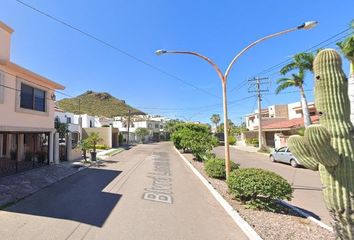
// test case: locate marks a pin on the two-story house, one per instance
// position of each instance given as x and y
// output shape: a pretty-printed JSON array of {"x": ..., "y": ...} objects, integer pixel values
[{"x": 26, "y": 113}]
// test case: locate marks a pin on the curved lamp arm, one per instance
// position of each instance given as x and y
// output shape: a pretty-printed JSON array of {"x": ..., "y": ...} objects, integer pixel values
[
  {"x": 254, "y": 43},
  {"x": 217, "y": 69}
]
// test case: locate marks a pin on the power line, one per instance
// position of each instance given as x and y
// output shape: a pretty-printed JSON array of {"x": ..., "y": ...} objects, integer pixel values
[
  {"x": 288, "y": 61},
  {"x": 56, "y": 91},
  {"x": 283, "y": 63},
  {"x": 107, "y": 44},
  {"x": 311, "y": 49}
]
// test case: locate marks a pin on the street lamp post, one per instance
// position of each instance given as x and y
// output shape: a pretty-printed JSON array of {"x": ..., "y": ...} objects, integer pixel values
[{"x": 223, "y": 78}]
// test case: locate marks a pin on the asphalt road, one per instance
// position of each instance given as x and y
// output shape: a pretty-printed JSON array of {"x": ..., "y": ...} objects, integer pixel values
[
  {"x": 145, "y": 193},
  {"x": 306, "y": 183}
]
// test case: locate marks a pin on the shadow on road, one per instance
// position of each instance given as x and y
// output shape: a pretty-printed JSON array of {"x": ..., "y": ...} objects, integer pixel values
[{"x": 78, "y": 198}]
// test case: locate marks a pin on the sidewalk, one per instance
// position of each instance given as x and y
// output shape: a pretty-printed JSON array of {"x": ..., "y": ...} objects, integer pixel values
[
  {"x": 245, "y": 148},
  {"x": 18, "y": 186}
]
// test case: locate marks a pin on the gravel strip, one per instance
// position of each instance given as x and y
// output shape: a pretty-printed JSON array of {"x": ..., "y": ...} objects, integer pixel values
[{"x": 269, "y": 225}]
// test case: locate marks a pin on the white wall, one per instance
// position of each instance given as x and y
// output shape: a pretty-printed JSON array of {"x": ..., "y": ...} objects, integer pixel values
[
  {"x": 85, "y": 120},
  {"x": 292, "y": 113}
]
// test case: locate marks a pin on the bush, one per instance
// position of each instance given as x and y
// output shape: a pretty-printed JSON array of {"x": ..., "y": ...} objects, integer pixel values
[
  {"x": 194, "y": 138},
  {"x": 206, "y": 156},
  {"x": 258, "y": 188},
  {"x": 215, "y": 168},
  {"x": 252, "y": 141},
  {"x": 232, "y": 140},
  {"x": 102, "y": 147}
]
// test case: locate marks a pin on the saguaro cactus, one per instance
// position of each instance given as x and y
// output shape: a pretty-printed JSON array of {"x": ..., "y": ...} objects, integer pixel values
[{"x": 329, "y": 146}]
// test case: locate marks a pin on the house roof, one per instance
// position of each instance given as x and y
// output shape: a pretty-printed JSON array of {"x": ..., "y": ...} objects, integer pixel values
[
  {"x": 310, "y": 105},
  {"x": 6, "y": 28},
  {"x": 289, "y": 124},
  {"x": 24, "y": 71}
]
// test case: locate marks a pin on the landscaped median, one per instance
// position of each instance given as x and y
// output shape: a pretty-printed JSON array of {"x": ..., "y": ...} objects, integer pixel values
[
  {"x": 253, "y": 193},
  {"x": 283, "y": 223}
]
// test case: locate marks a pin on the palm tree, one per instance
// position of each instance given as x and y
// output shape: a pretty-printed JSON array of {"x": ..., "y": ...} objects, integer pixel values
[
  {"x": 302, "y": 62},
  {"x": 347, "y": 48},
  {"x": 94, "y": 139},
  {"x": 296, "y": 80},
  {"x": 215, "y": 118}
]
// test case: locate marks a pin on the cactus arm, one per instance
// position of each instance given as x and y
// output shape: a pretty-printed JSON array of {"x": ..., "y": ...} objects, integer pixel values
[
  {"x": 302, "y": 152},
  {"x": 319, "y": 140}
]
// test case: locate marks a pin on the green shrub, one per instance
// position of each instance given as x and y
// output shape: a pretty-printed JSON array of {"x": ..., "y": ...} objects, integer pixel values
[
  {"x": 102, "y": 147},
  {"x": 194, "y": 138},
  {"x": 252, "y": 141},
  {"x": 206, "y": 156},
  {"x": 258, "y": 188},
  {"x": 215, "y": 168},
  {"x": 232, "y": 140}
]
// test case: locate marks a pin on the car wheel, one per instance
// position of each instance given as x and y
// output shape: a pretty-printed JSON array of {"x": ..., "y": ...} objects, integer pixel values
[
  {"x": 293, "y": 163},
  {"x": 272, "y": 158}
]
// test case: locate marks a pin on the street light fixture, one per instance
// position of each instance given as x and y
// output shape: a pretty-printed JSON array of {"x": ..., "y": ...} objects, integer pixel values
[{"x": 223, "y": 77}]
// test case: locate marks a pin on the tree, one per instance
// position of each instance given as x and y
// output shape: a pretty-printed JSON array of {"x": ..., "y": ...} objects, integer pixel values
[
  {"x": 347, "y": 48},
  {"x": 230, "y": 129},
  {"x": 215, "y": 118},
  {"x": 94, "y": 139},
  {"x": 84, "y": 145},
  {"x": 195, "y": 138},
  {"x": 303, "y": 62},
  {"x": 142, "y": 132}
]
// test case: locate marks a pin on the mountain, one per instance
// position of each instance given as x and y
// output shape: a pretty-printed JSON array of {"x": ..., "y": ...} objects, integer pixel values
[{"x": 97, "y": 104}]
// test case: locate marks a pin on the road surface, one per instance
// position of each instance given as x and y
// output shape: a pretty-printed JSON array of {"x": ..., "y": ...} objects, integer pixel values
[{"x": 145, "y": 193}]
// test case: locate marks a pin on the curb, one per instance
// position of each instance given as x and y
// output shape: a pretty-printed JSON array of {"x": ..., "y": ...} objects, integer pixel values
[
  {"x": 243, "y": 225},
  {"x": 243, "y": 150},
  {"x": 305, "y": 215}
]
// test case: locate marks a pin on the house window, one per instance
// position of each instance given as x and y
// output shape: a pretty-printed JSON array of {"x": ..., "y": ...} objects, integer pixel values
[
  {"x": 156, "y": 126},
  {"x": 91, "y": 124},
  {"x": 68, "y": 120},
  {"x": 32, "y": 98}
]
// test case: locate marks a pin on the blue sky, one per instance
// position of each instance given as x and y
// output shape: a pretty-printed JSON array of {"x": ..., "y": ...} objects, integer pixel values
[{"x": 217, "y": 29}]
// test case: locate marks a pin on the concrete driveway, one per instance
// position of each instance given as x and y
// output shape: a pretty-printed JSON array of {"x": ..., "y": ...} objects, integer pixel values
[
  {"x": 306, "y": 183},
  {"x": 145, "y": 193}
]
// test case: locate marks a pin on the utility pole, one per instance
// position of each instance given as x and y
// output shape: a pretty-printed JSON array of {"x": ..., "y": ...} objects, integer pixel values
[
  {"x": 80, "y": 120},
  {"x": 128, "y": 126},
  {"x": 257, "y": 82}
]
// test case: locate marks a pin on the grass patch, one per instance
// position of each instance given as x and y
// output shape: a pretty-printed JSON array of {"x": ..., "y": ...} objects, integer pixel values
[{"x": 114, "y": 152}]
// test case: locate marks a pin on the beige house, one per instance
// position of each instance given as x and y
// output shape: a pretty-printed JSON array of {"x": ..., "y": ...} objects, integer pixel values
[
  {"x": 26, "y": 113},
  {"x": 109, "y": 135}
]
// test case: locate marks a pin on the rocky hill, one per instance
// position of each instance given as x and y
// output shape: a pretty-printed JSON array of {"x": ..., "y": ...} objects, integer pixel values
[{"x": 97, "y": 104}]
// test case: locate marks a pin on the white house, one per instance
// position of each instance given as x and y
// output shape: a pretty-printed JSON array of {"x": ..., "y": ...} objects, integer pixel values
[
  {"x": 101, "y": 125},
  {"x": 68, "y": 144},
  {"x": 87, "y": 120},
  {"x": 155, "y": 125},
  {"x": 26, "y": 113}
]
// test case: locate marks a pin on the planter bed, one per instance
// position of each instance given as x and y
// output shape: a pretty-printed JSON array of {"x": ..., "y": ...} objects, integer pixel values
[{"x": 285, "y": 224}]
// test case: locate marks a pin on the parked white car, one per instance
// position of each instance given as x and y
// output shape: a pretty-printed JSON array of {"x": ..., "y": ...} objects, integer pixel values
[{"x": 284, "y": 155}]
